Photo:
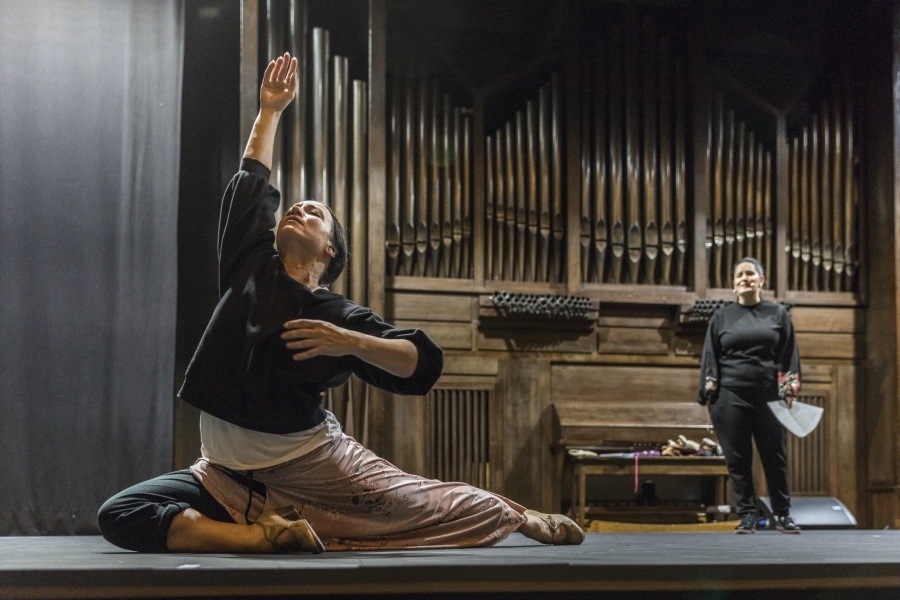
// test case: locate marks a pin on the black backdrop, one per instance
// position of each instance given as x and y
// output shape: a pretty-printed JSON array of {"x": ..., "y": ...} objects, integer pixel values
[{"x": 90, "y": 94}]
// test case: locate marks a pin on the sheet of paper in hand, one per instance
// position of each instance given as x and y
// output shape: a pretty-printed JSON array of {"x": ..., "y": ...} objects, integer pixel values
[{"x": 801, "y": 419}]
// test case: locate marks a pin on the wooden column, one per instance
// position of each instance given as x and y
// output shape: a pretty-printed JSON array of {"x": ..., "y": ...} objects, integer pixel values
[
  {"x": 879, "y": 442},
  {"x": 377, "y": 196}
]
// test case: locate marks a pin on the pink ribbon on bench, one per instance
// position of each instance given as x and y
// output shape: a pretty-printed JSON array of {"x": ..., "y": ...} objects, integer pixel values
[
  {"x": 637, "y": 476},
  {"x": 637, "y": 479}
]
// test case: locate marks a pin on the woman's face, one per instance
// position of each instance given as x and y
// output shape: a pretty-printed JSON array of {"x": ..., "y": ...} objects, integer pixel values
[
  {"x": 309, "y": 224},
  {"x": 747, "y": 282}
]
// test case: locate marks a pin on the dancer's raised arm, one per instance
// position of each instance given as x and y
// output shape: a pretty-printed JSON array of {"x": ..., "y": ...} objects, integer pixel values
[{"x": 279, "y": 86}]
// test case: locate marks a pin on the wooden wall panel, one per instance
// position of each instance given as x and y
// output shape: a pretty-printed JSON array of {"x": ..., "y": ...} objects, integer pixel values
[
  {"x": 828, "y": 346},
  {"x": 810, "y": 459},
  {"x": 429, "y": 307},
  {"x": 825, "y": 319},
  {"x": 616, "y": 383},
  {"x": 524, "y": 390},
  {"x": 449, "y": 336},
  {"x": 629, "y": 340},
  {"x": 848, "y": 484},
  {"x": 407, "y": 414},
  {"x": 543, "y": 340},
  {"x": 470, "y": 365},
  {"x": 635, "y": 315}
]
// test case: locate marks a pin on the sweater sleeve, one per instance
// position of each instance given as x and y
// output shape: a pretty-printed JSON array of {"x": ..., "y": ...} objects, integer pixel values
[
  {"x": 709, "y": 359},
  {"x": 429, "y": 365},
  {"x": 787, "y": 354},
  {"x": 246, "y": 220}
]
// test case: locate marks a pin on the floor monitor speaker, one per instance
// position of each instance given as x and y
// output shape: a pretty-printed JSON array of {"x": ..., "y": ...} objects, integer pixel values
[{"x": 815, "y": 512}]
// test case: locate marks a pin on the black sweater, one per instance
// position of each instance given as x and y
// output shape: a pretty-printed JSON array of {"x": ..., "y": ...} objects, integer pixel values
[
  {"x": 241, "y": 371},
  {"x": 747, "y": 346}
]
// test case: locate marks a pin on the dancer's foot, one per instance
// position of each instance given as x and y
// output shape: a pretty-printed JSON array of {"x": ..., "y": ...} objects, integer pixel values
[
  {"x": 289, "y": 533},
  {"x": 551, "y": 529}
]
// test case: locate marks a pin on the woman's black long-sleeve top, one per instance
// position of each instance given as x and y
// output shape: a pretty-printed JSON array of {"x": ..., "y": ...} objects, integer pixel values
[
  {"x": 747, "y": 347},
  {"x": 241, "y": 371}
]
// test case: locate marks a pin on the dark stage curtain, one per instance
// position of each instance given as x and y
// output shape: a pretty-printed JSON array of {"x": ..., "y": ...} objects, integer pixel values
[{"x": 89, "y": 154}]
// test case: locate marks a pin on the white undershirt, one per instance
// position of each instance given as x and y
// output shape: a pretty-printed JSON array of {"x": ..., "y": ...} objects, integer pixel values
[{"x": 240, "y": 449}]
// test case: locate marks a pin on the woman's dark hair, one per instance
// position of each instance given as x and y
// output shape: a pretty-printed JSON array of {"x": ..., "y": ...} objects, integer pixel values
[
  {"x": 339, "y": 241},
  {"x": 756, "y": 264}
]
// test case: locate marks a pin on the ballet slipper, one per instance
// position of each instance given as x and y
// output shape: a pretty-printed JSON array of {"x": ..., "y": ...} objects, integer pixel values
[
  {"x": 563, "y": 530},
  {"x": 287, "y": 532}
]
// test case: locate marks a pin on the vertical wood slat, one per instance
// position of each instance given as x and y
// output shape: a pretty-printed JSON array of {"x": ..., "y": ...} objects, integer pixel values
[
  {"x": 459, "y": 426},
  {"x": 809, "y": 457}
]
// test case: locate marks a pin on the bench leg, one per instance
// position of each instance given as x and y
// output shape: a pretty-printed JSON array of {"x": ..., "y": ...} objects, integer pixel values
[{"x": 582, "y": 497}]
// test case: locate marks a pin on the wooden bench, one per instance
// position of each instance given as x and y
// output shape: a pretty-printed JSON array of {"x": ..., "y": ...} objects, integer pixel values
[{"x": 632, "y": 425}]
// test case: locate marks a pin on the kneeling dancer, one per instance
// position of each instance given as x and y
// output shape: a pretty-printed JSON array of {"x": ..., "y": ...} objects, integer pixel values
[{"x": 277, "y": 474}]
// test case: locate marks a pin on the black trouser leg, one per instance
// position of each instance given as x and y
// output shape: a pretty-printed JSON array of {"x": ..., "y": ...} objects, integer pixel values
[
  {"x": 732, "y": 419},
  {"x": 139, "y": 517},
  {"x": 769, "y": 436}
]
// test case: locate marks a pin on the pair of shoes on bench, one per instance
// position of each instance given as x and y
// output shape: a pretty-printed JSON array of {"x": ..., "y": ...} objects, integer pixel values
[{"x": 287, "y": 532}]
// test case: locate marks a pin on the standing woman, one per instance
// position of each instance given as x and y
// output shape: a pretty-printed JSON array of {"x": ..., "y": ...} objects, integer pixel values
[{"x": 750, "y": 358}]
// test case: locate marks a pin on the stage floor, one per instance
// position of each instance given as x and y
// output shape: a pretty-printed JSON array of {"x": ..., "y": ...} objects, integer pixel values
[{"x": 862, "y": 564}]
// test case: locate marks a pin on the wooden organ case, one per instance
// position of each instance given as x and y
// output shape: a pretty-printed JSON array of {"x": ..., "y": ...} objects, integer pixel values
[{"x": 554, "y": 189}]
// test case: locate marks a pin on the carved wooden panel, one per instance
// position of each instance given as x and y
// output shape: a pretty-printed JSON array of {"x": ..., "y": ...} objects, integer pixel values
[{"x": 809, "y": 458}]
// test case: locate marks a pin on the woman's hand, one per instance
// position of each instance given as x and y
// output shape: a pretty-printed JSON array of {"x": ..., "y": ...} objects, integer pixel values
[
  {"x": 279, "y": 84},
  {"x": 278, "y": 88},
  {"x": 310, "y": 338},
  {"x": 317, "y": 338}
]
